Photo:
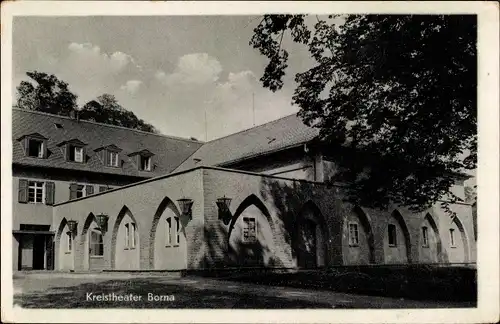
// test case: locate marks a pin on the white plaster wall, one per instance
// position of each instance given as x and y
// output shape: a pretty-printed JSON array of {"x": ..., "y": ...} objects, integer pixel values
[
  {"x": 263, "y": 249},
  {"x": 127, "y": 258},
  {"x": 169, "y": 256}
]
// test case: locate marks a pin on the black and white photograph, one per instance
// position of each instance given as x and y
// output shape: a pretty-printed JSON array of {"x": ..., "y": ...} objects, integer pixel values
[{"x": 299, "y": 158}]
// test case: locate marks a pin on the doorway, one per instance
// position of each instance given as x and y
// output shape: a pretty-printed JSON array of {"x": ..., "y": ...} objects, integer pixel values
[
  {"x": 308, "y": 240},
  {"x": 38, "y": 252}
]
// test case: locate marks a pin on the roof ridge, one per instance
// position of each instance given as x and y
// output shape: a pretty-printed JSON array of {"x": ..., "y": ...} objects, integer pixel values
[
  {"x": 249, "y": 129},
  {"x": 108, "y": 125}
]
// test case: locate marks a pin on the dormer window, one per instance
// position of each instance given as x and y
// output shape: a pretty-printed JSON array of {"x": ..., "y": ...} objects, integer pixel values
[
  {"x": 113, "y": 159},
  {"x": 110, "y": 155},
  {"x": 145, "y": 163},
  {"x": 77, "y": 154},
  {"x": 143, "y": 160},
  {"x": 74, "y": 150},
  {"x": 35, "y": 148},
  {"x": 35, "y": 145}
]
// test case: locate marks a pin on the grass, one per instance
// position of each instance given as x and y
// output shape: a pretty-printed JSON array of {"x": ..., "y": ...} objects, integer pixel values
[{"x": 411, "y": 282}]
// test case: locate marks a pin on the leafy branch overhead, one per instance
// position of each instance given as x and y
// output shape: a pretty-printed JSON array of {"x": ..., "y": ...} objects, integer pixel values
[
  {"x": 49, "y": 94},
  {"x": 398, "y": 90}
]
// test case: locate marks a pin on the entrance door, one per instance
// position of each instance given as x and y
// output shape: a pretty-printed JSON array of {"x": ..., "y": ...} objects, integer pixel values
[
  {"x": 308, "y": 244},
  {"x": 39, "y": 252}
]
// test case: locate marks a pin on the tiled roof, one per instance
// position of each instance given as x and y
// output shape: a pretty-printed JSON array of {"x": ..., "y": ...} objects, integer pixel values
[
  {"x": 276, "y": 135},
  {"x": 168, "y": 151}
]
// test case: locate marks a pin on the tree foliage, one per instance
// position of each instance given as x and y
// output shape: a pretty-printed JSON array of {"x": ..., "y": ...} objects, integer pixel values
[
  {"x": 51, "y": 95},
  {"x": 399, "y": 90},
  {"x": 106, "y": 109}
]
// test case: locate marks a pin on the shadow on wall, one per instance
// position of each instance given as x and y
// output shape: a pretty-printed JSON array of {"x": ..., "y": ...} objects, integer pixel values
[{"x": 289, "y": 200}]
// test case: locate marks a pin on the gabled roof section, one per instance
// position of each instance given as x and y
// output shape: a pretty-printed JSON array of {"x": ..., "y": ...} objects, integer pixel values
[
  {"x": 279, "y": 134},
  {"x": 73, "y": 141},
  {"x": 144, "y": 152},
  {"x": 110, "y": 147},
  {"x": 169, "y": 151},
  {"x": 33, "y": 135}
]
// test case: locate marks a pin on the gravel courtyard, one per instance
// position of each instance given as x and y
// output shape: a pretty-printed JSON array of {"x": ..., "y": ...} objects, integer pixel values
[{"x": 40, "y": 290}]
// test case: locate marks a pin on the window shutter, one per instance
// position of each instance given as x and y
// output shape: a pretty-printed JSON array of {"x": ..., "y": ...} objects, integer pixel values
[
  {"x": 89, "y": 189},
  {"x": 84, "y": 155},
  {"x": 73, "y": 188},
  {"x": 26, "y": 146},
  {"x": 23, "y": 191},
  {"x": 67, "y": 148},
  {"x": 50, "y": 189},
  {"x": 44, "y": 149},
  {"x": 102, "y": 188},
  {"x": 138, "y": 161},
  {"x": 105, "y": 156}
]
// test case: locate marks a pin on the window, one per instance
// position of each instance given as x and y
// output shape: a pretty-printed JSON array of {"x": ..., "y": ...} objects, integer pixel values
[
  {"x": 392, "y": 235},
  {"x": 249, "y": 229},
  {"x": 113, "y": 159},
  {"x": 177, "y": 228},
  {"x": 452, "y": 237},
  {"x": 127, "y": 236},
  {"x": 170, "y": 229},
  {"x": 145, "y": 163},
  {"x": 69, "y": 240},
  {"x": 132, "y": 235},
  {"x": 76, "y": 154},
  {"x": 353, "y": 234},
  {"x": 425, "y": 237},
  {"x": 80, "y": 191},
  {"x": 168, "y": 236},
  {"x": 35, "y": 148},
  {"x": 35, "y": 192},
  {"x": 96, "y": 244}
]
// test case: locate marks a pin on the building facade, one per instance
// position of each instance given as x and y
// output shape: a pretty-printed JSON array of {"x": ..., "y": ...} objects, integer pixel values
[{"x": 139, "y": 201}]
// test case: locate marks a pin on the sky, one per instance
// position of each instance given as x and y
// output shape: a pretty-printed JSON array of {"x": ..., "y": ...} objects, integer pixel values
[{"x": 170, "y": 71}]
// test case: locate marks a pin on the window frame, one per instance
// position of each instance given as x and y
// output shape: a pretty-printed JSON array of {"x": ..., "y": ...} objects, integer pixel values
[
  {"x": 395, "y": 240},
  {"x": 247, "y": 235},
  {"x": 99, "y": 244},
  {"x": 75, "y": 148},
  {"x": 356, "y": 231},
  {"x": 35, "y": 188},
  {"x": 40, "y": 154},
  {"x": 133, "y": 230},
  {"x": 452, "y": 238},
  {"x": 110, "y": 159},
  {"x": 127, "y": 236},
  {"x": 148, "y": 160},
  {"x": 83, "y": 190},
  {"x": 69, "y": 242},
  {"x": 425, "y": 236}
]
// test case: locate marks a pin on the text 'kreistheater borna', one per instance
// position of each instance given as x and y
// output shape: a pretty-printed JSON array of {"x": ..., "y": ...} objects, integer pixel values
[{"x": 92, "y": 197}]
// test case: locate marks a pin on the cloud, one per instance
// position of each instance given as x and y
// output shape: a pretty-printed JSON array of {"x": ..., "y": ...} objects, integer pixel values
[
  {"x": 90, "y": 53},
  {"x": 131, "y": 86},
  {"x": 195, "y": 68}
]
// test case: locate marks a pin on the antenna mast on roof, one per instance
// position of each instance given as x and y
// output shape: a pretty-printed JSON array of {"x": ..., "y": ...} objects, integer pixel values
[
  {"x": 206, "y": 136},
  {"x": 253, "y": 107}
]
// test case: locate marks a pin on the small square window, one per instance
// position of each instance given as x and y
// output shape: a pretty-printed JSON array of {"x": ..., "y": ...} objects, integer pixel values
[
  {"x": 35, "y": 148},
  {"x": 392, "y": 235},
  {"x": 249, "y": 230}
]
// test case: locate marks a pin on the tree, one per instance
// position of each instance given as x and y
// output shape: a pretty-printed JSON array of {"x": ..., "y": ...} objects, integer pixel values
[
  {"x": 399, "y": 90},
  {"x": 106, "y": 109},
  {"x": 49, "y": 94}
]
